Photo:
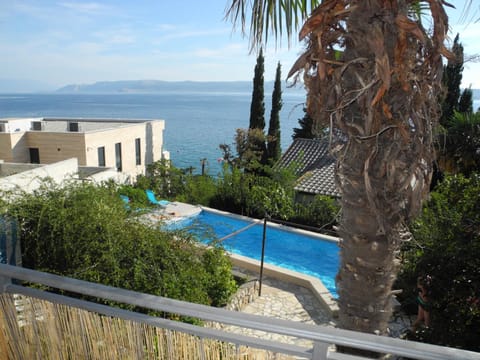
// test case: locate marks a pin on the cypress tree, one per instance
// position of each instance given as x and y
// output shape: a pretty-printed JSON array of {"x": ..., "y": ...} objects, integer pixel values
[
  {"x": 465, "y": 104},
  {"x": 305, "y": 131},
  {"x": 452, "y": 78},
  {"x": 273, "y": 141},
  {"x": 257, "y": 107}
]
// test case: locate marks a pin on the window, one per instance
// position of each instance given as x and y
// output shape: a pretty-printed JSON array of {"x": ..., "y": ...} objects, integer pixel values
[
  {"x": 73, "y": 126},
  {"x": 118, "y": 156},
  {"x": 37, "y": 125},
  {"x": 138, "y": 152},
  {"x": 101, "y": 156},
  {"x": 34, "y": 155}
]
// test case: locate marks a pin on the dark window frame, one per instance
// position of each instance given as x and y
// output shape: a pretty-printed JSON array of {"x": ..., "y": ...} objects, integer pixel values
[
  {"x": 118, "y": 156},
  {"x": 34, "y": 155},
  {"x": 37, "y": 125},
  {"x": 101, "y": 155},
  {"x": 138, "y": 151},
  {"x": 73, "y": 126}
]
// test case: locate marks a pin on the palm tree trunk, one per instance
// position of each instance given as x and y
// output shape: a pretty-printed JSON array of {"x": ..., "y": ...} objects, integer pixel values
[
  {"x": 385, "y": 157},
  {"x": 368, "y": 256}
]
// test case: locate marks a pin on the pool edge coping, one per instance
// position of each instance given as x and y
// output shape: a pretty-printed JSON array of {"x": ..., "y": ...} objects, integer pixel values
[{"x": 312, "y": 283}]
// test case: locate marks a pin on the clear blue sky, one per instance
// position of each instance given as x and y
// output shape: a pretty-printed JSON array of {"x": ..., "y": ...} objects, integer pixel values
[{"x": 66, "y": 41}]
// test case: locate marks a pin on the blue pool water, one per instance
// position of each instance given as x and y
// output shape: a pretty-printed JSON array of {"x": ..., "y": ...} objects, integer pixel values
[{"x": 291, "y": 250}]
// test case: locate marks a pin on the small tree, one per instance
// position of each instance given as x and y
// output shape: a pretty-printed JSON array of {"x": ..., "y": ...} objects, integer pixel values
[
  {"x": 321, "y": 213},
  {"x": 267, "y": 196},
  {"x": 274, "y": 150},
  {"x": 250, "y": 146},
  {"x": 164, "y": 179}
]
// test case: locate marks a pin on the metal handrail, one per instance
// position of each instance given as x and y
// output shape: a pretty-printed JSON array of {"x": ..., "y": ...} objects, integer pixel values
[
  {"x": 321, "y": 336},
  {"x": 255, "y": 222}
]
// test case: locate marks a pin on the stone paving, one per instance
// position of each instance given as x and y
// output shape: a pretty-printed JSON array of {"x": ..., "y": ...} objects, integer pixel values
[
  {"x": 288, "y": 302},
  {"x": 292, "y": 302}
]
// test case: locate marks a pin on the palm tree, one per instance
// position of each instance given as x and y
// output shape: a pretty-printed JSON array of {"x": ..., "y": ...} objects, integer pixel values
[{"x": 372, "y": 75}]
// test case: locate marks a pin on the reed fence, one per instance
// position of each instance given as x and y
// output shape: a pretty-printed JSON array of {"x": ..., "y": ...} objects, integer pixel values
[{"x": 37, "y": 329}]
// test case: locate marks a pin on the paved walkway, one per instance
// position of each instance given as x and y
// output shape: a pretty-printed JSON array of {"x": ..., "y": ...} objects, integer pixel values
[
  {"x": 288, "y": 302},
  {"x": 292, "y": 302}
]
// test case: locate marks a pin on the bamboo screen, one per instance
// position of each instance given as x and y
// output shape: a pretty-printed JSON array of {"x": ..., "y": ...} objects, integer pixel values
[{"x": 36, "y": 329}]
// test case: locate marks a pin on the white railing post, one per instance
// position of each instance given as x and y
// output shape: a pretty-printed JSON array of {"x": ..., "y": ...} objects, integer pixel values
[
  {"x": 202, "y": 349},
  {"x": 320, "y": 351},
  {"x": 4, "y": 282}
]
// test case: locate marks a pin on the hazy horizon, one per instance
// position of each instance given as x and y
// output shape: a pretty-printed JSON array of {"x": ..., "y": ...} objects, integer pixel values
[{"x": 25, "y": 86}]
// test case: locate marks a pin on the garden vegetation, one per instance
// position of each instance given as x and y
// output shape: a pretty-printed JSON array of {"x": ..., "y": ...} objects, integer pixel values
[
  {"x": 84, "y": 231},
  {"x": 446, "y": 247}
]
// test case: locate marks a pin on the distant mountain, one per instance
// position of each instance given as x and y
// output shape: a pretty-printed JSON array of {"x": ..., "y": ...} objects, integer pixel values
[{"x": 152, "y": 86}]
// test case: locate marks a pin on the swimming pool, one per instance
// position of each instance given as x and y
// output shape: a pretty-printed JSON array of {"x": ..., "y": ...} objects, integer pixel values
[{"x": 286, "y": 248}]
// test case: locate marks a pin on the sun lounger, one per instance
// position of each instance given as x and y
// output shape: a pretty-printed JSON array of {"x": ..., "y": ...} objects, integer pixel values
[{"x": 153, "y": 200}]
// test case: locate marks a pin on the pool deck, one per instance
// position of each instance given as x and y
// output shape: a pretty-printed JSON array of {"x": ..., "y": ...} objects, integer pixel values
[{"x": 172, "y": 212}]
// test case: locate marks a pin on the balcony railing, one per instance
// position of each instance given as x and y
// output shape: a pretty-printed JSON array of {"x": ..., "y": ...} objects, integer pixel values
[{"x": 323, "y": 339}]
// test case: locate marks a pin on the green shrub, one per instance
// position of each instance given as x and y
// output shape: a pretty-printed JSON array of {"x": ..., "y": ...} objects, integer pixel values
[
  {"x": 232, "y": 190},
  {"x": 138, "y": 197},
  {"x": 199, "y": 189},
  {"x": 164, "y": 179},
  {"x": 447, "y": 247},
  {"x": 267, "y": 196},
  {"x": 321, "y": 213},
  {"x": 220, "y": 285}
]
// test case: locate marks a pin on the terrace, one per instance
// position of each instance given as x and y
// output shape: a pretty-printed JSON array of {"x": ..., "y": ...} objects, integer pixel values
[{"x": 47, "y": 325}]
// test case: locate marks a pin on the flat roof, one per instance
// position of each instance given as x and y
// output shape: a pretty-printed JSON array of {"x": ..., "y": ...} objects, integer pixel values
[{"x": 53, "y": 124}]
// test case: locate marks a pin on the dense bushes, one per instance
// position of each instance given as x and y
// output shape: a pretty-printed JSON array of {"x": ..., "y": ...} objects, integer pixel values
[
  {"x": 447, "y": 247},
  {"x": 198, "y": 189},
  {"x": 240, "y": 192},
  {"x": 83, "y": 231},
  {"x": 321, "y": 213}
]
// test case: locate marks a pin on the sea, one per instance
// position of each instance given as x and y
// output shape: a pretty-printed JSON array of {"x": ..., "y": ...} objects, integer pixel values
[{"x": 196, "y": 123}]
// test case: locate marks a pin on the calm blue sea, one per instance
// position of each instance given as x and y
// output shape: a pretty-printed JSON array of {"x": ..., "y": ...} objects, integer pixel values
[{"x": 196, "y": 123}]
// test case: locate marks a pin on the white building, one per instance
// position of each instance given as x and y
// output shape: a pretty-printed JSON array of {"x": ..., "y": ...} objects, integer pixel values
[{"x": 126, "y": 145}]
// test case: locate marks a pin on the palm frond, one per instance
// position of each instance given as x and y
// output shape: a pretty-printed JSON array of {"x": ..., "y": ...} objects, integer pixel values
[{"x": 277, "y": 18}]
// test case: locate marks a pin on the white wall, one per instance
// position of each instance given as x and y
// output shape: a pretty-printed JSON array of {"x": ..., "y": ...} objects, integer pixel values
[
  {"x": 31, "y": 180},
  {"x": 19, "y": 125}
]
